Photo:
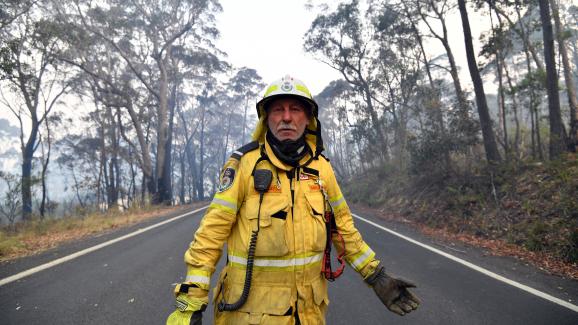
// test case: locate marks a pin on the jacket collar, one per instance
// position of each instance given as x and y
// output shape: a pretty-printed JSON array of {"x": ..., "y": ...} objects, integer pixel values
[{"x": 281, "y": 165}]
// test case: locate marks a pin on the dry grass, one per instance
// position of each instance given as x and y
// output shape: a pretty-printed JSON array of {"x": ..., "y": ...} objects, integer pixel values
[
  {"x": 40, "y": 235},
  {"x": 526, "y": 210}
]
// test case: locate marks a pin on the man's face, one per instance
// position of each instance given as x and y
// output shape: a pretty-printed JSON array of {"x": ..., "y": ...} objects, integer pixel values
[{"x": 287, "y": 118}]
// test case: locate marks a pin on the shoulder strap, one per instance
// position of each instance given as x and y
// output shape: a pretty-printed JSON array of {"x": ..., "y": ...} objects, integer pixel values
[{"x": 237, "y": 154}]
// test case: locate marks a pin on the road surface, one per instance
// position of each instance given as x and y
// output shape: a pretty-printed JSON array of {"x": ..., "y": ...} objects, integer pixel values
[{"x": 129, "y": 282}]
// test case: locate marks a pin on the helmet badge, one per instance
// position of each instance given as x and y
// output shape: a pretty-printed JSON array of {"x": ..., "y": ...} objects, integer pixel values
[{"x": 286, "y": 86}]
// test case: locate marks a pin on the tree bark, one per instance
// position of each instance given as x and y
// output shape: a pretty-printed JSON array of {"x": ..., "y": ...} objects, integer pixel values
[
  {"x": 515, "y": 110},
  {"x": 166, "y": 190},
  {"x": 557, "y": 131},
  {"x": 568, "y": 78},
  {"x": 111, "y": 184},
  {"x": 200, "y": 173},
  {"x": 162, "y": 134},
  {"x": 492, "y": 153}
]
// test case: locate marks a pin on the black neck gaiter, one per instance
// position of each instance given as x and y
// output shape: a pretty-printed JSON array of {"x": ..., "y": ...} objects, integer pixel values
[{"x": 288, "y": 151}]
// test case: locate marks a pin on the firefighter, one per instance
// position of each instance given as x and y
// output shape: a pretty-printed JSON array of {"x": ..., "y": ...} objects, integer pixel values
[{"x": 274, "y": 199}]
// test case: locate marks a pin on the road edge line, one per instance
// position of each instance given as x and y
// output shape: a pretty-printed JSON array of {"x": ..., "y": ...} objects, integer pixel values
[
  {"x": 474, "y": 267},
  {"x": 85, "y": 251}
]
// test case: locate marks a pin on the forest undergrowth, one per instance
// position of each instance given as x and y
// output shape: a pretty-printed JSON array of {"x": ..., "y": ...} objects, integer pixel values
[
  {"x": 39, "y": 235},
  {"x": 526, "y": 210}
]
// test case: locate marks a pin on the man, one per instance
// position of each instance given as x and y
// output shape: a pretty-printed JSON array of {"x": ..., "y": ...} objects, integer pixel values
[{"x": 277, "y": 201}]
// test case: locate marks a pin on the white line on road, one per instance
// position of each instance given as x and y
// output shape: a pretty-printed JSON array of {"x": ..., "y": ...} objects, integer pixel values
[
  {"x": 67, "y": 258},
  {"x": 477, "y": 268},
  {"x": 491, "y": 274}
]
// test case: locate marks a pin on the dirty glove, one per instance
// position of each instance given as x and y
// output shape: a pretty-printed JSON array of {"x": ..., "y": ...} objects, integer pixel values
[
  {"x": 191, "y": 302},
  {"x": 392, "y": 292}
]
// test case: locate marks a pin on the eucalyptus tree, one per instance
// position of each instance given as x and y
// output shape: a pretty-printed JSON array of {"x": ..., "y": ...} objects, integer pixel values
[
  {"x": 245, "y": 86},
  {"x": 32, "y": 82},
  {"x": 144, "y": 33},
  {"x": 336, "y": 103},
  {"x": 561, "y": 35},
  {"x": 432, "y": 13},
  {"x": 46, "y": 143},
  {"x": 428, "y": 95},
  {"x": 558, "y": 141},
  {"x": 11, "y": 199},
  {"x": 521, "y": 25},
  {"x": 79, "y": 156},
  {"x": 399, "y": 70},
  {"x": 492, "y": 153},
  {"x": 343, "y": 41},
  {"x": 499, "y": 45},
  {"x": 532, "y": 81},
  {"x": 12, "y": 10}
]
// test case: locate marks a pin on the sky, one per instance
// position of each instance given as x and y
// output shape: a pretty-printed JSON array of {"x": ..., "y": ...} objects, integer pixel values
[{"x": 267, "y": 35}]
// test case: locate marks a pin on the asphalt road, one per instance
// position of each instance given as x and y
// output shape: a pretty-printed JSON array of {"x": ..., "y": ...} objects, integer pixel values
[{"x": 129, "y": 282}]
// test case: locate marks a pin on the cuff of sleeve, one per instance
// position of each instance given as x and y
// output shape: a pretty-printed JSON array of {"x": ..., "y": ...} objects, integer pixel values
[
  {"x": 199, "y": 278},
  {"x": 188, "y": 302},
  {"x": 369, "y": 269}
]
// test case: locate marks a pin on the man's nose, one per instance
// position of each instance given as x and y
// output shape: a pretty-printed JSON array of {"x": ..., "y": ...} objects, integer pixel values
[{"x": 287, "y": 115}]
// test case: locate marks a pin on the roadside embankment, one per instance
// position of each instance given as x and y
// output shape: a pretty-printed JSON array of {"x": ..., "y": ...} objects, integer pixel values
[
  {"x": 37, "y": 236},
  {"x": 528, "y": 211}
]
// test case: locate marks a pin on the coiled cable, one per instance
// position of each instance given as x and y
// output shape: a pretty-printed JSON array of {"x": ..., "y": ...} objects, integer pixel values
[{"x": 223, "y": 306}]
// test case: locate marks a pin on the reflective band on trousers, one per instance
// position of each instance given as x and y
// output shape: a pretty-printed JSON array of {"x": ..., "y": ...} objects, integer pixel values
[{"x": 274, "y": 263}]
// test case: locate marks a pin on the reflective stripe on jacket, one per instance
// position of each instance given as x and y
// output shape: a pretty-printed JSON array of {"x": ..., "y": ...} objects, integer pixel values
[{"x": 287, "y": 269}]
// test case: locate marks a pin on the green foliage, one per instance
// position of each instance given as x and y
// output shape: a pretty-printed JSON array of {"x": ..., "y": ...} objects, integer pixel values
[
  {"x": 536, "y": 232},
  {"x": 11, "y": 200}
]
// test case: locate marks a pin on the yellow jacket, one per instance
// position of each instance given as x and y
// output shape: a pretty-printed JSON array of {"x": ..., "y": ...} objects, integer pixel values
[{"x": 288, "y": 258}]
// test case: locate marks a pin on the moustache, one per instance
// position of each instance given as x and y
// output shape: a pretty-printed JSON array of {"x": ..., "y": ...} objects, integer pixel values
[{"x": 284, "y": 126}]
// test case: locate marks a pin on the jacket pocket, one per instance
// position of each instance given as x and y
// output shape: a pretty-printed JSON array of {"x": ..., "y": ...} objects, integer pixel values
[
  {"x": 271, "y": 300},
  {"x": 316, "y": 207},
  {"x": 272, "y": 239},
  {"x": 319, "y": 287}
]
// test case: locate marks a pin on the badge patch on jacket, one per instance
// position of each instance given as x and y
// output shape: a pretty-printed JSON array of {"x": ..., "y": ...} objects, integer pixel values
[{"x": 227, "y": 178}]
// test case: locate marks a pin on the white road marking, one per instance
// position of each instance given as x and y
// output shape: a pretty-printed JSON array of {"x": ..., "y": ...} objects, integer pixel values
[
  {"x": 67, "y": 258},
  {"x": 472, "y": 266},
  {"x": 477, "y": 268}
]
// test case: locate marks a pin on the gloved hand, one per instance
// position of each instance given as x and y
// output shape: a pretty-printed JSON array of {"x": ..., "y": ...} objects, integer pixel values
[
  {"x": 392, "y": 292},
  {"x": 190, "y": 306}
]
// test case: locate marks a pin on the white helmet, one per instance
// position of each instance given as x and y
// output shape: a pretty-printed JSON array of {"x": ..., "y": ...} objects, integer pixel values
[{"x": 287, "y": 86}]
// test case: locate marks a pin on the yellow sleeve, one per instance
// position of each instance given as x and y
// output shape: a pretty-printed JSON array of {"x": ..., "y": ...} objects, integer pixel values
[
  {"x": 357, "y": 253},
  {"x": 206, "y": 248}
]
